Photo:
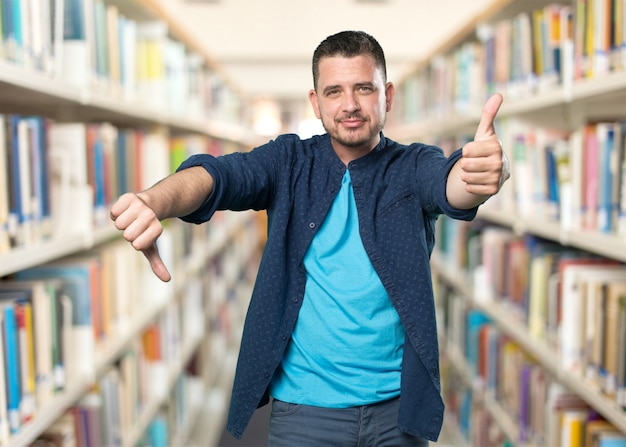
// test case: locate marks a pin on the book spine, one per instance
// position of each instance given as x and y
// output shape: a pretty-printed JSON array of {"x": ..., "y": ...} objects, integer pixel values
[{"x": 13, "y": 368}]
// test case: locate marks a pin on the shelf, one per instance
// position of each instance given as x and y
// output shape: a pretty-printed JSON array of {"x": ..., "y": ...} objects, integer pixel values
[
  {"x": 42, "y": 252},
  {"x": 505, "y": 318},
  {"x": 500, "y": 415},
  {"x": 212, "y": 419},
  {"x": 607, "y": 245},
  {"x": 52, "y": 96},
  {"x": 562, "y": 106},
  {"x": 150, "y": 410},
  {"x": 106, "y": 354},
  {"x": 26, "y": 91}
]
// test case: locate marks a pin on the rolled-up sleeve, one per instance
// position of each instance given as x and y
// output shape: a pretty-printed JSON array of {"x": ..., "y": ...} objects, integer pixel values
[{"x": 241, "y": 180}]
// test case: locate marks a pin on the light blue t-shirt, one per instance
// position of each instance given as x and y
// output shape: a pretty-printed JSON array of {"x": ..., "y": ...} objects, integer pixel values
[{"x": 346, "y": 347}]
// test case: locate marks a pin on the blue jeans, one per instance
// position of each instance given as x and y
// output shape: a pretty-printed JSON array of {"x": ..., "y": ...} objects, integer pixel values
[{"x": 365, "y": 426}]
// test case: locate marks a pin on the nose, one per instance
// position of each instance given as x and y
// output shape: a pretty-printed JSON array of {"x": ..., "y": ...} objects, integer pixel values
[{"x": 350, "y": 103}]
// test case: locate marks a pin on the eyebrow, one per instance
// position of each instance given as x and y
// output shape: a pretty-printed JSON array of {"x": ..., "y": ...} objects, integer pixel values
[{"x": 357, "y": 85}]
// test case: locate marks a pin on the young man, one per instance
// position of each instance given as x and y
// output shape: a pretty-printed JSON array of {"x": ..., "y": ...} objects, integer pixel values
[{"x": 341, "y": 328}]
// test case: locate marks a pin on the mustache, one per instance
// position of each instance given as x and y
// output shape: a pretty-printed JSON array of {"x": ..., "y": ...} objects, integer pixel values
[{"x": 353, "y": 116}]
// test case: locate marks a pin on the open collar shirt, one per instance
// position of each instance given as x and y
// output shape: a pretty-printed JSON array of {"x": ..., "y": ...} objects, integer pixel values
[{"x": 399, "y": 192}]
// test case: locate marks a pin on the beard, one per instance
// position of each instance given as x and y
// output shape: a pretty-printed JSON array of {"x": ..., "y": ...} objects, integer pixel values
[{"x": 353, "y": 138}]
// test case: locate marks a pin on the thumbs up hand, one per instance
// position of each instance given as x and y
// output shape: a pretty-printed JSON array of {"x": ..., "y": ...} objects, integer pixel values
[{"x": 483, "y": 168}]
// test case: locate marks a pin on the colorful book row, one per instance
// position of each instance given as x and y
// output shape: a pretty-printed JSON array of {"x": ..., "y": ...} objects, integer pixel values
[
  {"x": 95, "y": 45},
  {"x": 573, "y": 301},
  {"x": 504, "y": 378},
  {"x": 52, "y": 174},
  {"x": 529, "y": 53},
  {"x": 576, "y": 179}
]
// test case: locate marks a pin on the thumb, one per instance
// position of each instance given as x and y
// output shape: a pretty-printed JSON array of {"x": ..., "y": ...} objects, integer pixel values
[
  {"x": 156, "y": 263},
  {"x": 485, "y": 128}
]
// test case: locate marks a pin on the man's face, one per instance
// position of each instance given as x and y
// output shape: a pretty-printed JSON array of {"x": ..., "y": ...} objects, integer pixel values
[{"x": 352, "y": 100}]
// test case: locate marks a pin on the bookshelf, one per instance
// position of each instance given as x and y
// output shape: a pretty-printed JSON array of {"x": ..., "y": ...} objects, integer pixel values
[
  {"x": 111, "y": 97},
  {"x": 563, "y": 104}
]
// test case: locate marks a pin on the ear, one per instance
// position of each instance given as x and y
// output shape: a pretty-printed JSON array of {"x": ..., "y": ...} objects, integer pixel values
[
  {"x": 390, "y": 91},
  {"x": 315, "y": 103}
]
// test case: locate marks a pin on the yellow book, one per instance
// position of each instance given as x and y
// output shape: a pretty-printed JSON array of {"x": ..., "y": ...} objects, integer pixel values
[
  {"x": 538, "y": 48},
  {"x": 30, "y": 345},
  {"x": 576, "y": 433},
  {"x": 589, "y": 43},
  {"x": 112, "y": 25}
]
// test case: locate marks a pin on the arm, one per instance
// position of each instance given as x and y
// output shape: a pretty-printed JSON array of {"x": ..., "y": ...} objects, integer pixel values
[
  {"x": 481, "y": 170},
  {"x": 139, "y": 215}
]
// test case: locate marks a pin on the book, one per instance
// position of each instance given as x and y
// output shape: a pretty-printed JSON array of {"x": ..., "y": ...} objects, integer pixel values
[
  {"x": 615, "y": 353},
  {"x": 111, "y": 389},
  {"x": 71, "y": 196},
  {"x": 594, "y": 429},
  {"x": 590, "y": 177},
  {"x": 74, "y": 55},
  {"x": 23, "y": 314},
  {"x": 77, "y": 281},
  {"x": 611, "y": 440},
  {"x": 151, "y": 76},
  {"x": 4, "y": 418},
  {"x": 595, "y": 295},
  {"x": 607, "y": 171},
  {"x": 20, "y": 181},
  {"x": 90, "y": 409},
  {"x": 12, "y": 364},
  {"x": 42, "y": 214},
  {"x": 5, "y": 244},
  {"x": 575, "y": 328},
  {"x": 540, "y": 296},
  {"x": 46, "y": 337}
]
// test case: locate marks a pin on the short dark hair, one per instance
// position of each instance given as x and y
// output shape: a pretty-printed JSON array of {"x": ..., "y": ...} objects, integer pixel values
[{"x": 349, "y": 44}]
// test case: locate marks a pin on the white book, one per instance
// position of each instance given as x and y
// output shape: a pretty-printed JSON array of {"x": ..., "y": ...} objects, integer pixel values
[
  {"x": 128, "y": 50},
  {"x": 25, "y": 231},
  {"x": 155, "y": 161},
  {"x": 70, "y": 194},
  {"x": 4, "y": 190},
  {"x": 75, "y": 59},
  {"x": 575, "y": 326},
  {"x": 576, "y": 176}
]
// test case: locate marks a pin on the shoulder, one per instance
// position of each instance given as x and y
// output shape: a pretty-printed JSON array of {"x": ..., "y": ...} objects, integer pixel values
[
  {"x": 414, "y": 151},
  {"x": 292, "y": 142}
]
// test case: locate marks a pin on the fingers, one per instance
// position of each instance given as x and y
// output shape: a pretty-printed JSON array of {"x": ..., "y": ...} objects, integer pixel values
[
  {"x": 485, "y": 128},
  {"x": 142, "y": 228},
  {"x": 139, "y": 223},
  {"x": 481, "y": 166}
]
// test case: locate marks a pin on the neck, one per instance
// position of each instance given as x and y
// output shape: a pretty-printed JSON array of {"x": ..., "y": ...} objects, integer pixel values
[{"x": 350, "y": 153}]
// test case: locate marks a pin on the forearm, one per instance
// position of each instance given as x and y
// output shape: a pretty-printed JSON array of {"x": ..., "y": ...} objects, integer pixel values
[{"x": 179, "y": 194}]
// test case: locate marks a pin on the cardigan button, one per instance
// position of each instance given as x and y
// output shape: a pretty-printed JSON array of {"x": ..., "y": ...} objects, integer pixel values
[{"x": 312, "y": 225}]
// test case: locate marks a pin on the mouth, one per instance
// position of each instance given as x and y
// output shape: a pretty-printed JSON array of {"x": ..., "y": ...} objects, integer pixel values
[{"x": 352, "y": 121}]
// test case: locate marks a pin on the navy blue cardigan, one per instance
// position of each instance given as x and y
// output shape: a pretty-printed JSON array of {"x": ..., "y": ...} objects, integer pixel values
[{"x": 399, "y": 192}]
